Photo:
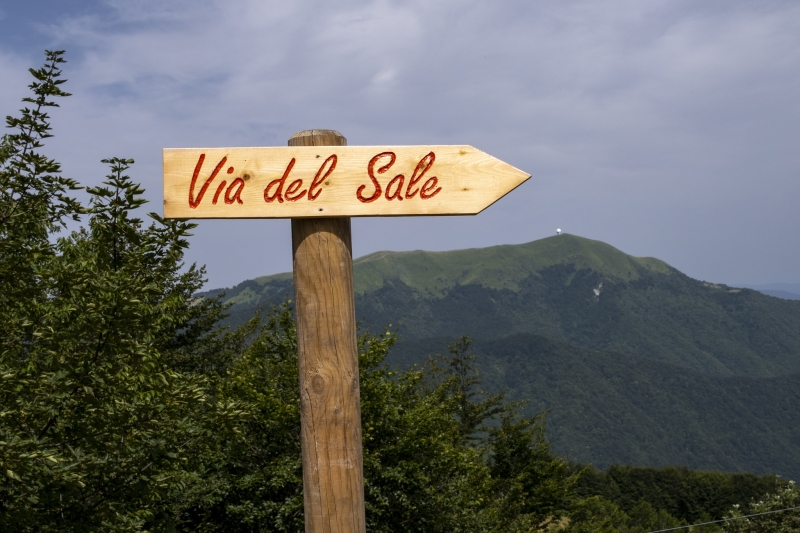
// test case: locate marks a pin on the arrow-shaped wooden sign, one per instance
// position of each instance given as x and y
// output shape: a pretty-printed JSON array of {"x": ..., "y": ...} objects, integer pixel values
[{"x": 333, "y": 181}]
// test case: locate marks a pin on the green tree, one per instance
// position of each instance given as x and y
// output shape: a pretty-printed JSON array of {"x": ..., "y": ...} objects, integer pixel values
[
  {"x": 690, "y": 495},
  {"x": 644, "y": 518},
  {"x": 529, "y": 486},
  {"x": 455, "y": 380},
  {"x": 596, "y": 514},
  {"x": 250, "y": 477},
  {"x": 95, "y": 428},
  {"x": 421, "y": 473},
  {"x": 34, "y": 203},
  {"x": 781, "y": 522}
]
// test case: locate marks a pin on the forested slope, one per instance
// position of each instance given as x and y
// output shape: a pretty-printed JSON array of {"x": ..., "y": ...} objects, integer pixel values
[{"x": 608, "y": 407}]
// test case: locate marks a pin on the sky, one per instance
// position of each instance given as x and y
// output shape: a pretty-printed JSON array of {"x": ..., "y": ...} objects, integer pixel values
[{"x": 666, "y": 128}]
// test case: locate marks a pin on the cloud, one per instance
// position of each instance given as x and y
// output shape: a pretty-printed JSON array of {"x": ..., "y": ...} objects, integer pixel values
[
  {"x": 640, "y": 121},
  {"x": 14, "y": 78}
]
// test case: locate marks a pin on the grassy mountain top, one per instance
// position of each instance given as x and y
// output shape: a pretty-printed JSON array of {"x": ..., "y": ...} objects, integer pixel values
[{"x": 497, "y": 267}]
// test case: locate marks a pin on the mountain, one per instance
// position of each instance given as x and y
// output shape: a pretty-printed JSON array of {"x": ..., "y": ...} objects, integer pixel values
[
  {"x": 635, "y": 361},
  {"x": 582, "y": 292}
]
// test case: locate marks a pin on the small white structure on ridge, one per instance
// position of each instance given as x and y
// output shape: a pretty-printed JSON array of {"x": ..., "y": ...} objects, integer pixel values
[{"x": 558, "y": 231}]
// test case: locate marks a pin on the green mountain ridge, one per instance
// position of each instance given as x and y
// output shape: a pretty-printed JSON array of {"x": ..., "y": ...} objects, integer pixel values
[
  {"x": 495, "y": 267},
  {"x": 575, "y": 290}
]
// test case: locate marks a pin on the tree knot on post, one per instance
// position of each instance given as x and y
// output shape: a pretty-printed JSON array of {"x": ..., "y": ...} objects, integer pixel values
[{"x": 318, "y": 384}]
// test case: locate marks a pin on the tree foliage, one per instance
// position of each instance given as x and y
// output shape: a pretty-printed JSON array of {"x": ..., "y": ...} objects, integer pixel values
[
  {"x": 788, "y": 497},
  {"x": 422, "y": 473},
  {"x": 95, "y": 427},
  {"x": 689, "y": 495},
  {"x": 596, "y": 514}
]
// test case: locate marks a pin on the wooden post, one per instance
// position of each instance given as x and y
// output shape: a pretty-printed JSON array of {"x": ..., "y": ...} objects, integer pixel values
[{"x": 330, "y": 398}]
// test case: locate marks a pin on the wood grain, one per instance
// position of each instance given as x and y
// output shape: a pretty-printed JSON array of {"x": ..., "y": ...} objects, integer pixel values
[
  {"x": 330, "y": 399},
  {"x": 469, "y": 180}
]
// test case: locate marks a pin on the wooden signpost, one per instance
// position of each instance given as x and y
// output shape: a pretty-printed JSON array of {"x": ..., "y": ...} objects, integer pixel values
[{"x": 320, "y": 183}]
